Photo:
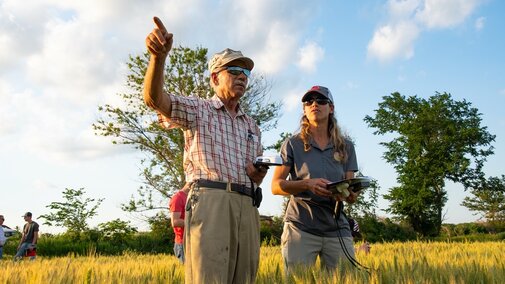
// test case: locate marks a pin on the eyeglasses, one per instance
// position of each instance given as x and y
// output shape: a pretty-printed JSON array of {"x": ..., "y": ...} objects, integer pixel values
[
  {"x": 319, "y": 101},
  {"x": 235, "y": 70}
]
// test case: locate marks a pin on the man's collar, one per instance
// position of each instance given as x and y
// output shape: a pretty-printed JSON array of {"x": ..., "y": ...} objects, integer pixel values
[{"x": 217, "y": 103}]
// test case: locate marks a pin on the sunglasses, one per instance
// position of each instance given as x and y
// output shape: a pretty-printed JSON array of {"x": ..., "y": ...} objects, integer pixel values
[
  {"x": 319, "y": 101},
  {"x": 235, "y": 70}
]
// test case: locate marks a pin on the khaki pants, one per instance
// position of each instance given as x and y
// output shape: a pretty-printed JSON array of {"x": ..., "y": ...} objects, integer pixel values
[
  {"x": 221, "y": 238},
  {"x": 302, "y": 248}
]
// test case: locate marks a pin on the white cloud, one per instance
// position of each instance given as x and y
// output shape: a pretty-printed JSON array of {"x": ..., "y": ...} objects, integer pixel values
[
  {"x": 392, "y": 41},
  {"x": 64, "y": 61},
  {"x": 479, "y": 23},
  {"x": 408, "y": 18},
  {"x": 60, "y": 59},
  {"x": 43, "y": 185},
  {"x": 309, "y": 55},
  {"x": 445, "y": 13},
  {"x": 349, "y": 85},
  {"x": 277, "y": 52},
  {"x": 292, "y": 100},
  {"x": 400, "y": 10},
  {"x": 269, "y": 30},
  {"x": 54, "y": 129},
  {"x": 21, "y": 31},
  {"x": 8, "y": 118}
]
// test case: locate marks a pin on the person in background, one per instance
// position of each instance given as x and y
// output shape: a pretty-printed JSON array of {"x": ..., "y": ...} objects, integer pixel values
[
  {"x": 317, "y": 155},
  {"x": 357, "y": 236},
  {"x": 177, "y": 207},
  {"x": 29, "y": 238},
  {"x": 221, "y": 232},
  {"x": 3, "y": 239}
]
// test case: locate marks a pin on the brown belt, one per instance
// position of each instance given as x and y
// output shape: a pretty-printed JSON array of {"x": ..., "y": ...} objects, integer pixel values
[{"x": 242, "y": 189}]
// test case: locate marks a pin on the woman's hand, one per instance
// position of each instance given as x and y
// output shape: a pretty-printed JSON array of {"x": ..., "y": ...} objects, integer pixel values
[
  {"x": 353, "y": 196},
  {"x": 318, "y": 186}
]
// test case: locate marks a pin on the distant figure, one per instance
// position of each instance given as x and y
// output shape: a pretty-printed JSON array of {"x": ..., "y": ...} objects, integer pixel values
[
  {"x": 357, "y": 236},
  {"x": 29, "y": 239},
  {"x": 3, "y": 239},
  {"x": 177, "y": 207}
]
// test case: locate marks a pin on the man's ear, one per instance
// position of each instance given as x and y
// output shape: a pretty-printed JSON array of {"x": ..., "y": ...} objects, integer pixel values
[{"x": 214, "y": 78}]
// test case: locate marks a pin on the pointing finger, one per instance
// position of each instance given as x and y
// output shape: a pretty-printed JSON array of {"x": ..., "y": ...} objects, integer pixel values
[{"x": 159, "y": 24}]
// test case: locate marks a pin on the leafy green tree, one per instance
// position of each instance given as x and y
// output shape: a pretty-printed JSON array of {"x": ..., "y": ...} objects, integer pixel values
[
  {"x": 433, "y": 140},
  {"x": 161, "y": 227},
  {"x": 117, "y": 231},
  {"x": 135, "y": 124},
  {"x": 366, "y": 203},
  {"x": 277, "y": 145},
  {"x": 488, "y": 198},
  {"x": 73, "y": 213}
]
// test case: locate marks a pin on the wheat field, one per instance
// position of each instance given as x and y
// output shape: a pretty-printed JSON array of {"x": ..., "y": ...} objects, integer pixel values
[{"x": 410, "y": 262}]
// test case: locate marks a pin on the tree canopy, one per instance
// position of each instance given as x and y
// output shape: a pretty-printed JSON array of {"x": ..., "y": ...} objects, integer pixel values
[
  {"x": 73, "y": 213},
  {"x": 433, "y": 140},
  {"x": 133, "y": 123},
  {"x": 488, "y": 199}
]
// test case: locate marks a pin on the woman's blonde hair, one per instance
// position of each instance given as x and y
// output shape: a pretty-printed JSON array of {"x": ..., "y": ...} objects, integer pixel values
[{"x": 339, "y": 144}]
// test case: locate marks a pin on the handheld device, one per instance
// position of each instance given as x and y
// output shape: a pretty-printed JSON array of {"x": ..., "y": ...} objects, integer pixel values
[
  {"x": 354, "y": 184},
  {"x": 266, "y": 161}
]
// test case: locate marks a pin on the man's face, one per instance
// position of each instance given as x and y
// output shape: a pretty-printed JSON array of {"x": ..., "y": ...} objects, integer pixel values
[
  {"x": 232, "y": 80},
  {"x": 1, "y": 220}
]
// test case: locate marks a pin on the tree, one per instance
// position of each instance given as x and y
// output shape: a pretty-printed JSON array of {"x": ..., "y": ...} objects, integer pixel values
[
  {"x": 277, "y": 145},
  {"x": 135, "y": 124},
  {"x": 366, "y": 203},
  {"x": 434, "y": 140},
  {"x": 74, "y": 213},
  {"x": 117, "y": 231},
  {"x": 488, "y": 199}
]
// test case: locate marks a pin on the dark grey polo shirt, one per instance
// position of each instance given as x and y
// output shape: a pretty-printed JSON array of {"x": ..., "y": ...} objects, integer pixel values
[{"x": 307, "y": 211}]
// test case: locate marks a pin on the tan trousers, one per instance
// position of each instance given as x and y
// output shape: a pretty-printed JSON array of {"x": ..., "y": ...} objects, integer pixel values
[
  {"x": 221, "y": 238},
  {"x": 300, "y": 248}
]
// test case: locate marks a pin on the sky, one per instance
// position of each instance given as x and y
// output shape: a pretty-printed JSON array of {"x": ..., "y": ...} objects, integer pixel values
[{"x": 61, "y": 59}]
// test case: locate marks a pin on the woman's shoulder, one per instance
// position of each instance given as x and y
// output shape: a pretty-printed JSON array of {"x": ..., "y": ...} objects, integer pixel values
[
  {"x": 349, "y": 143},
  {"x": 348, "y": 140}
]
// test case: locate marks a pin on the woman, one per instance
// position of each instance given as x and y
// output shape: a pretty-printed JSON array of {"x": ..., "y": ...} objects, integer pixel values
[{"x": 319, "y": 154}]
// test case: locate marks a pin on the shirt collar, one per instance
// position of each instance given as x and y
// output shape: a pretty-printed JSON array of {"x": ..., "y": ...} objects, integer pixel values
[
  {"x": 314, "y": 144},
  {"x": 217, "y": 104}
]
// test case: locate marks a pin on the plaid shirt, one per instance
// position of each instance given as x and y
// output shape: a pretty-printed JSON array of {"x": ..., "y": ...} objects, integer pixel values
[{"x": 217, "y": 146}]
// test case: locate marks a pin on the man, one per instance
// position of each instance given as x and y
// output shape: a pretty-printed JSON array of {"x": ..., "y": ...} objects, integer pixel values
[
  {"x": 177, "y": 207},
  {"x": 3, "y": 239},
  {"x": 29, "y": 238},
  {"x": 221, "y": 143}
]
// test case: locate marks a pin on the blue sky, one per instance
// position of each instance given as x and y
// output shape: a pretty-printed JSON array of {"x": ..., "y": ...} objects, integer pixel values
[{"x": 60, "y": 60}]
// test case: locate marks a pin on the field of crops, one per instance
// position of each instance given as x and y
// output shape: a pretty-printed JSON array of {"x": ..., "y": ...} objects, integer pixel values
[{"x": 412, "y": 262}]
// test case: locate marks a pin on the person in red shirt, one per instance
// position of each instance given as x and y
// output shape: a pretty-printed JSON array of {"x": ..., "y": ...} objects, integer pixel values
[{"x": 177, "y": 207}]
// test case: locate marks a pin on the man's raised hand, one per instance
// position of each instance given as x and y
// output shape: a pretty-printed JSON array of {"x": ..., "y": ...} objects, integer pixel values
[{"x": 159, "y": 41}]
